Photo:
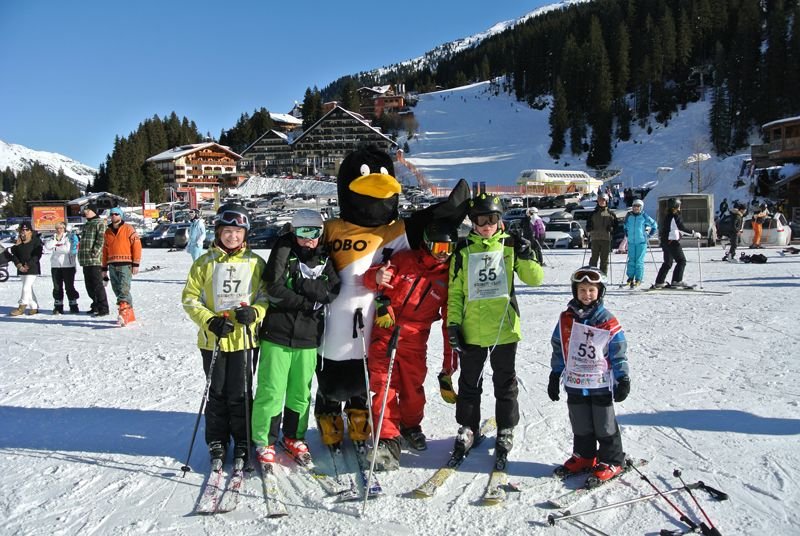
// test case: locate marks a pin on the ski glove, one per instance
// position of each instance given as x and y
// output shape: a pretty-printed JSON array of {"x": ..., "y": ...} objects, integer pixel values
[
  {"x": 455, "y": 338},
  {"x": 553, "y": 386},
  {"x": 220, "y": 326},
  {"x": 623, "y": 389},
  {"x": 522, "y": 248},
  {"x": 245, "y": 314},
  {"x": 384, "y": 314},
  {"x": 446, "y": 388}
]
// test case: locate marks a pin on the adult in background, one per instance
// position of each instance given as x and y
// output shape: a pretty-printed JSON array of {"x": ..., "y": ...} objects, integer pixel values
[
  {"x": 25, "y": 255},
  {"x": 600, "y": 226},
  {"x": 64, "y": 250},
  {"x": 197, "y": 234},
  {"x": 735, "y": 230},
  {"x": 90, "y": 257},
  {"x": 639, "y": 227},
  {"x": 122, "y": 252},
  {"x": 670, "y": 233},
  {"x": 759, "y": 216},
  {"x": 533, "y": 231}
]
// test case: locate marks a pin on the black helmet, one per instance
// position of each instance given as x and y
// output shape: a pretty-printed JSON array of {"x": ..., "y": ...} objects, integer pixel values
[
  {"x": 437, "y": 231},
  {"x": 484, "y": 203},
  {"x": 589, "y": 274},
  {"x": 674, "y": 202},
  {"x": 233, "y": 215}
]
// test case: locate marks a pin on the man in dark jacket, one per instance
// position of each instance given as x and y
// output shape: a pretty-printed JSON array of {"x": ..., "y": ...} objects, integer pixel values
[{"x": 600, "y": 226}]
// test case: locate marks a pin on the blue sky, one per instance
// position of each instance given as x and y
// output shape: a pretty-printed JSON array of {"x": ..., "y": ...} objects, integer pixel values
[{"x": 77, "y": 74}]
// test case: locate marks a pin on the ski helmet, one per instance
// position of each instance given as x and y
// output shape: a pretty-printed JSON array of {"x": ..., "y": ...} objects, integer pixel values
[
  {"x": 533, "y": 211},
  {"x": 484, "y": 203},
  {"x": 589, "y": 274},
  {"x": 233, "y": 215},
  {"x": 603, "y": 196},
  {"x": 439, "y": 237},
  {"x": 674, "y": 202},
  {"x": 638, "y": 203},
  {"x": 307, "y": 223}
]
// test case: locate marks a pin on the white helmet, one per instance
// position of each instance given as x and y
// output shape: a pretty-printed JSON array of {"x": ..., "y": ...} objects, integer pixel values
[
  {"x": 638, "y": 203},
  {"x": 305, "y": 217},
  {"x": 533, "y": 211}
]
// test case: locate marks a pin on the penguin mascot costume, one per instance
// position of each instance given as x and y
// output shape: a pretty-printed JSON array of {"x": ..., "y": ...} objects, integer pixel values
[{"x": 367, "y": 232}]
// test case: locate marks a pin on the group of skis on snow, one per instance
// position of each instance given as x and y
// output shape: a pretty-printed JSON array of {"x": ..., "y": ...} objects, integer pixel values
[{"x": 352, "y": 301}]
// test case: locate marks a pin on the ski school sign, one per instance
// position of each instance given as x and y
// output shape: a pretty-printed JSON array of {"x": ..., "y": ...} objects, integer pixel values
[{"x": 45, "y": 218}]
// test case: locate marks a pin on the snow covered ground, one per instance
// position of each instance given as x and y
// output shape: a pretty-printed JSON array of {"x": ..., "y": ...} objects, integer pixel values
[{"x": 95, "y": 420}]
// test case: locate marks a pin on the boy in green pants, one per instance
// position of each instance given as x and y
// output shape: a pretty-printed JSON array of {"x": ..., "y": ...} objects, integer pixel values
[{"x": 300, "y": 281}]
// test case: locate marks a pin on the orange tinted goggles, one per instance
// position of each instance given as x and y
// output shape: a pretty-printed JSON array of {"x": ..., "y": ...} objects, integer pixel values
[{"x": 438, "y": 248}]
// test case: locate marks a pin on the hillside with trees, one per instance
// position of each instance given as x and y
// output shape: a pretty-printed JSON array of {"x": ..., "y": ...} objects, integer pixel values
[{"x": 601, "y": 65}]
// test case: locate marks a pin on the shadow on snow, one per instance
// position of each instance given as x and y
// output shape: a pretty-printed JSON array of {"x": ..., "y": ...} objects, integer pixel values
[{"x": 712, "y": 420}]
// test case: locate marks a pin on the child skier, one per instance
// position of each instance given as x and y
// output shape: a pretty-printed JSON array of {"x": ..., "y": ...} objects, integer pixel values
[
  {"x": 413, "y": 295},
  {"x": 639, "y": 228},
  {"x": 300, "y": 281},
  {"x": 483, "y": 319},
  {"x": 220, "y": 281},
  {"x": 589, "y": 355}
]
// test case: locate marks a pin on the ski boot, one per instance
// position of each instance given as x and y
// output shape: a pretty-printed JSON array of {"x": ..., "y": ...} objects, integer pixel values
[
  {"x": 331, "y": 428},
  {"x": 358, "y": 424},
  {"x": 265, "y": 454},
  {"x": 298, "y": 450},
  {"x": 464, "y": 441},
  {"x": 604, "y": 471},
  {"x": 58, "y": 308},
  {"x": 503, "y": 445},
  {"x": 679, "y": 284},
  {"x": 574, "y": 465},
  {"x": 240, "y": 452},
  {"x": 414, "y": 437},
  {"x": 126, "y": 315},
  {"x": 387, "y": 457},
  {"x": 630, "y": 282},
  {"x": 217, "y": 451},
  {"x": 73, "y": 307}
]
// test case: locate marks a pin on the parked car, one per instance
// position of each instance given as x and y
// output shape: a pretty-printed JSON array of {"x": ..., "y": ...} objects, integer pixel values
[
  {"x": 564, "y": 234},
  {"x": 775, "y": 231},
  {"x": 264, "y": 237},
  {"x": 155, "y": 238},
  {"x": 177, "y": 236},
  {"x": 513, "y": 214}
]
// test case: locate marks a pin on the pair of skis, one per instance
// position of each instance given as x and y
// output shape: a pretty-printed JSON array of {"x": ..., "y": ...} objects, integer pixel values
[
  {"x": 498, "y": 485},
  {"x": 219, "y": 496},
  {"x": 350, "y": 491}
]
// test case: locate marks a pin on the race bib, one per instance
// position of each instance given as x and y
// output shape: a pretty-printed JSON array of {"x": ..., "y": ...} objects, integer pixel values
[
  {"x": 231, "y": 285},
  {"x": 487, "y": 275},
  {"x": 587, "y": 367}
]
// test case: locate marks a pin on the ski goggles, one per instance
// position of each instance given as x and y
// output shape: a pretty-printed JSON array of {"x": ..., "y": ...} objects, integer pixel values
[
  {"x": 237, "y": 219},
  {"x": 587, "y": 275},
  {"x": 439, "y": 248},
  {"x": 486, "y": 219},
  {"x": 308, "y": 232}
]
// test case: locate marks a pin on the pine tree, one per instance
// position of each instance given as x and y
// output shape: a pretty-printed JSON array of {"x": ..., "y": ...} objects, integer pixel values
[{"x": 558, "y": 120}]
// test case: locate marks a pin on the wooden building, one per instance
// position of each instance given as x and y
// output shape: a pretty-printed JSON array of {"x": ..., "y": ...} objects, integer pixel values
[
  {"x": 196, "y": 168},
  {"x": 781, "y": 147}
]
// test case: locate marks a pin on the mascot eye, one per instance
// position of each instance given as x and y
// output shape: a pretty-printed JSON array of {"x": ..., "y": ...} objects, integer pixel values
[
  {"x": 364, "y": 170},
  {"x": 384, "y": 171}
]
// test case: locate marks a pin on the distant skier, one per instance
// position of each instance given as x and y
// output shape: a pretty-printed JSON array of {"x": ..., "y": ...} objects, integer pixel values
[
  {"x": 197, "y": 234},
  {"x": 589, "y": 350},
  {"x": 639, "y": 227},
  {"x": 670, "y": 232},
  {"x": 734, "y": 231}
]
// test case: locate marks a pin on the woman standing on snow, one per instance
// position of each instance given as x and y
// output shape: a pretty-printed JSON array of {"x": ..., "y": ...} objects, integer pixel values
[
  {"x": 64, "y": 248},
  {"x": 25, "y": 255}
]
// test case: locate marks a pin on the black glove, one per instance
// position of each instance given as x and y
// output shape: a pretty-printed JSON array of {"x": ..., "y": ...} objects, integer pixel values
[
  {"x": 522, "y": 248},
  {"x": 220, "y": 326},
  {"x": 623, "y": 389},
  {"x": 245, "y": 314},
  {"x": 553, "y": 386},
  {"x": 455, "y": 338}
]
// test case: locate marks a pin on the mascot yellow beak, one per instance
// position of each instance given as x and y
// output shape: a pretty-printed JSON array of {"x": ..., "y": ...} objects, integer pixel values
[{"x": 376, "y": 185}]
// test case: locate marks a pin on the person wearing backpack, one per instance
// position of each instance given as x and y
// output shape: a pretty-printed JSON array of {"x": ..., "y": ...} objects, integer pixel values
[{"x": 733, "y": 229}]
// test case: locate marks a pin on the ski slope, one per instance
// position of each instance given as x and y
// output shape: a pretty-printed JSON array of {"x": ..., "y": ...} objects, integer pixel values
[{"x": 95, "y": 420}]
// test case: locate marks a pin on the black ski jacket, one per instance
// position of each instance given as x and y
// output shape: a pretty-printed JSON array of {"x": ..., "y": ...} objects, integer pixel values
[
  {"x": 296, "y": 313},
  {"x": 27, "y": 253}
]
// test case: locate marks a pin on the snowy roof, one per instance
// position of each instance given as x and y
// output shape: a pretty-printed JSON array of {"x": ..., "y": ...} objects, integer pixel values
[
  {"x": 183, "y": 150},
  {"x": 357, "y": 117},
  {"x": 285, "y": 118},
  {"x": 781, "y": 121},
  {"x": 279, "y": 134}
]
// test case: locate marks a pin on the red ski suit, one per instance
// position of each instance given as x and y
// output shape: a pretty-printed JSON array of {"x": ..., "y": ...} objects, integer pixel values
[{"x": 419, "y": 298}]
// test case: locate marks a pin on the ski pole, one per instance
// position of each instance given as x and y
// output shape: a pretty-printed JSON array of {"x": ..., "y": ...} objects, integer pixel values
[
  {"x": 713, "y": 531},
  {"x": 391, "y": 351},
  {"x": 699, "y": 263},
  {"x": 358, "y": 320},
  {"x": 185, "y": 468},
  {"x": 248, "y": 370},
  {"x": 553, "y": 518},
  {"x": 624, "y": 272},
  {"x": 683, "y": 517}
]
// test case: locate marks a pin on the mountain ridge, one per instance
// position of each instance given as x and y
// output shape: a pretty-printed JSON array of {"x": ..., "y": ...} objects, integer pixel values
[{"x": 18, "y": 158}]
